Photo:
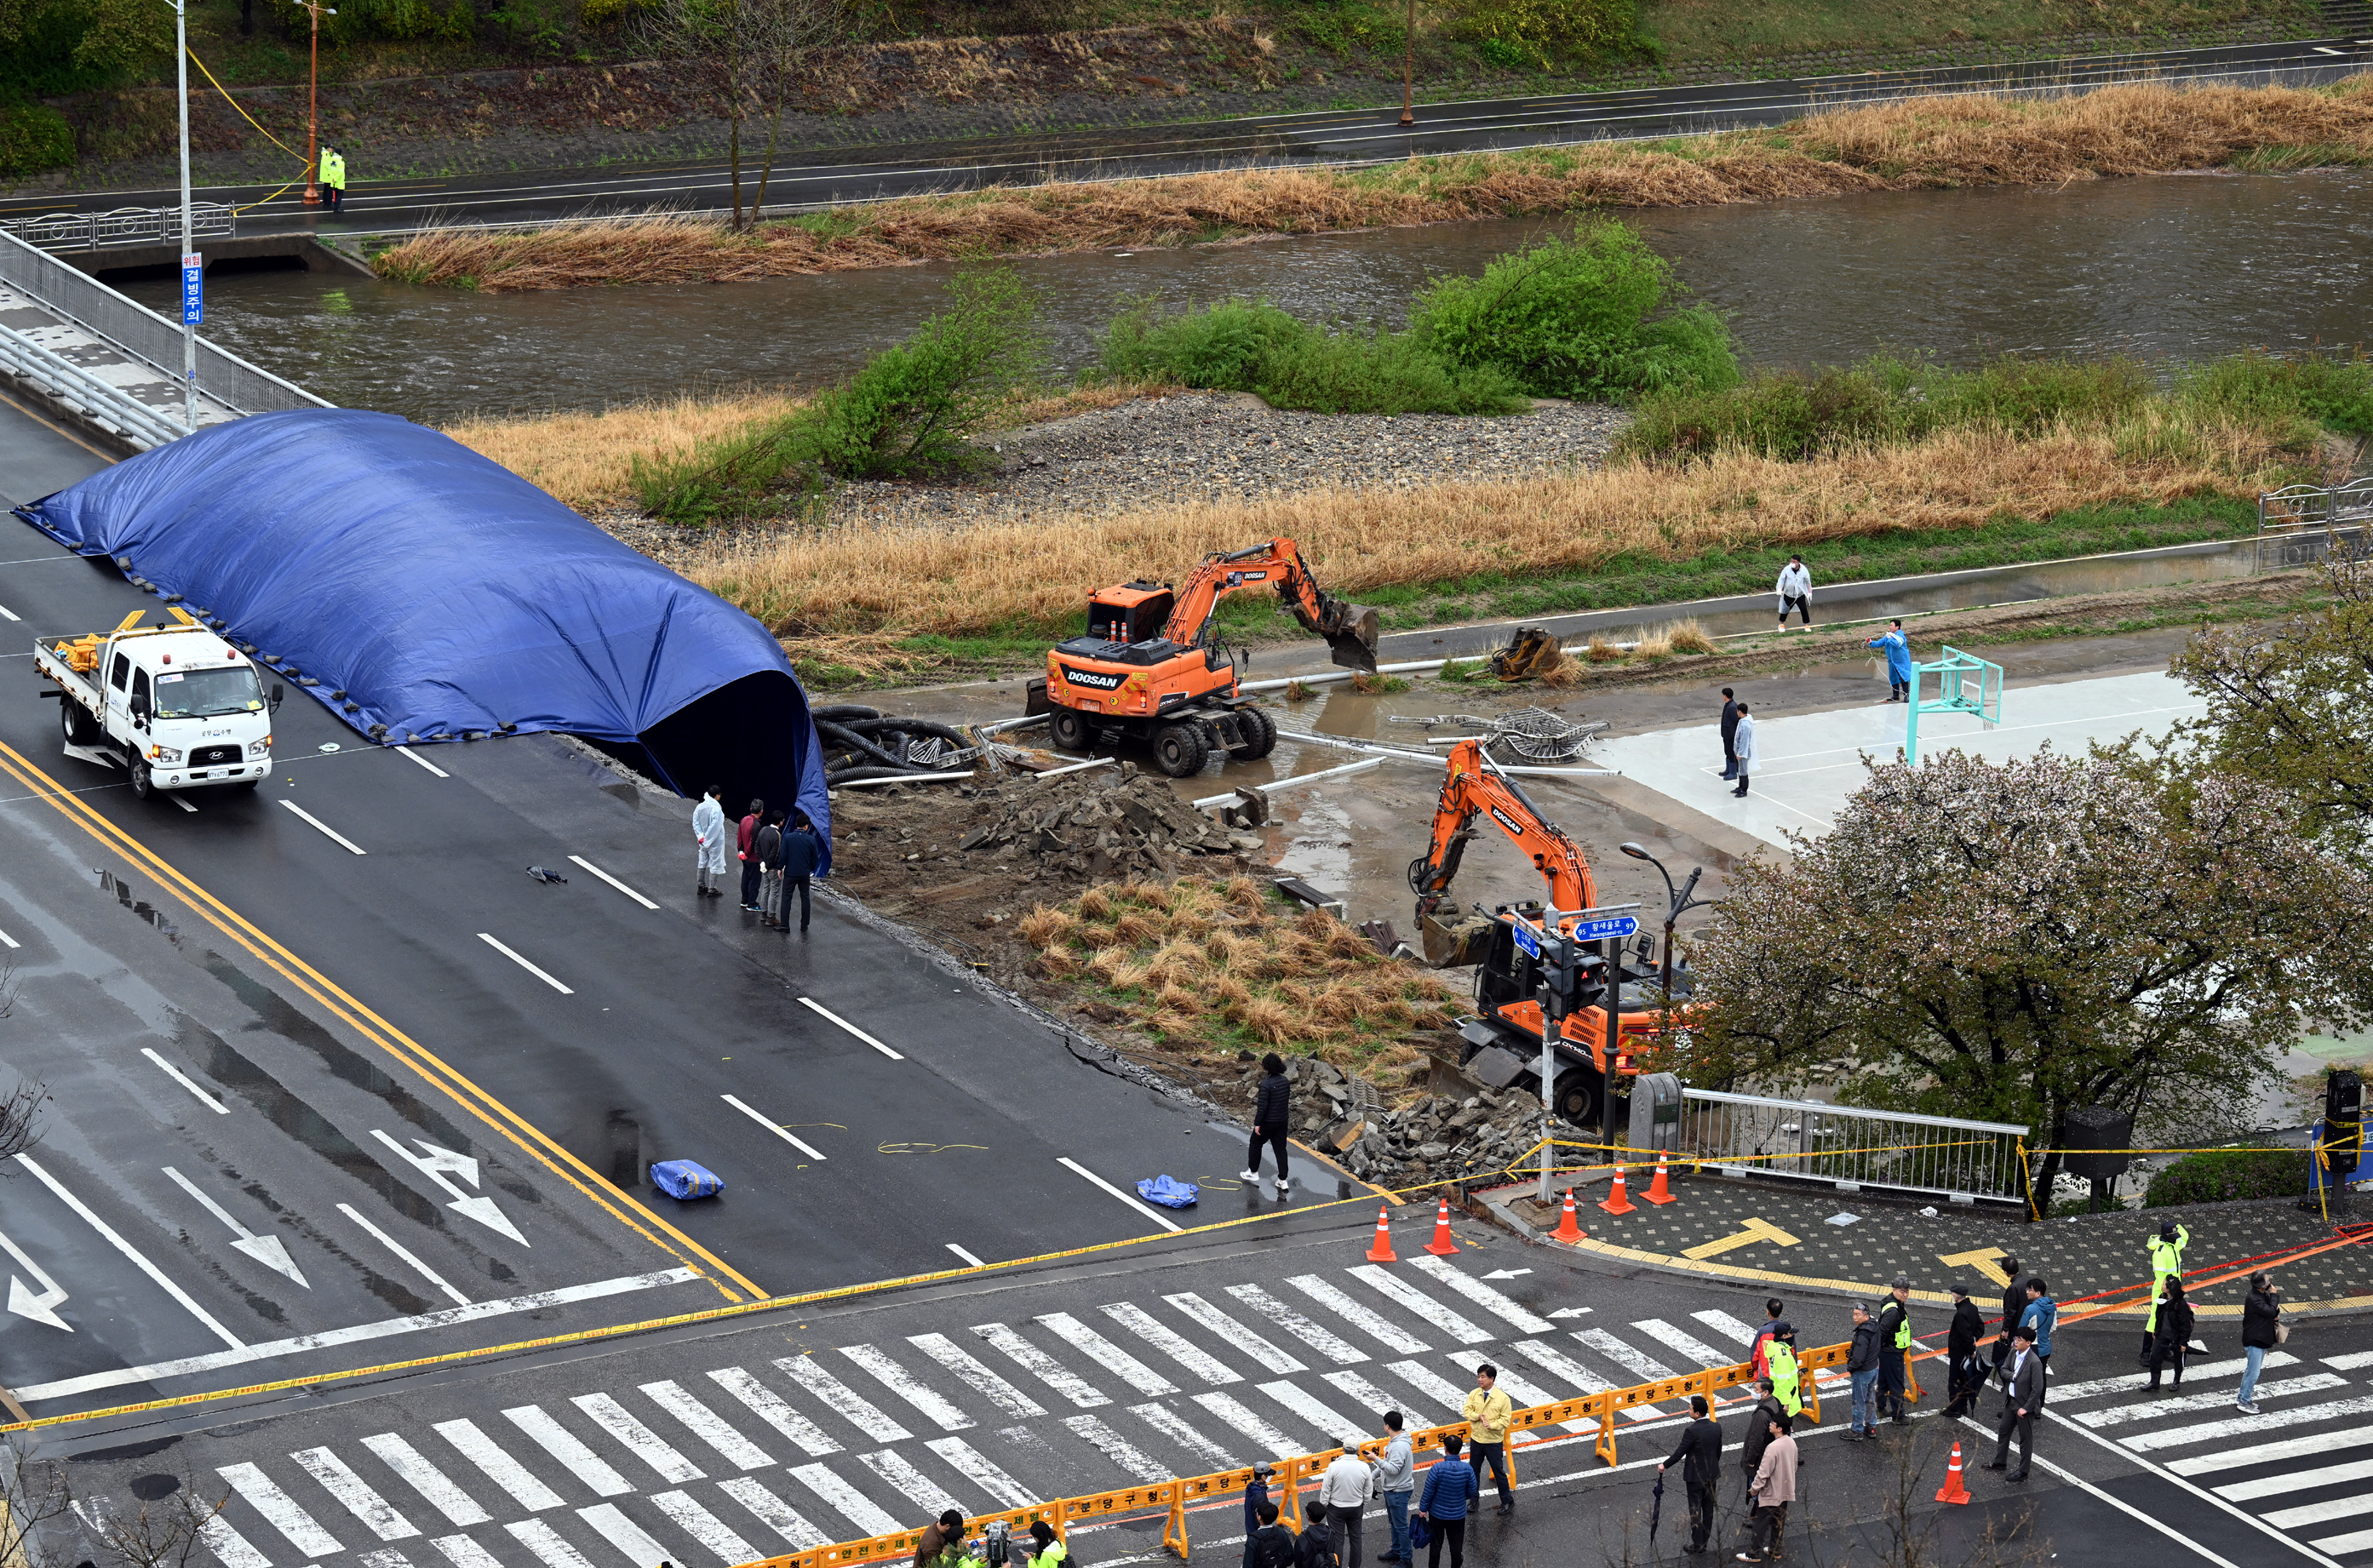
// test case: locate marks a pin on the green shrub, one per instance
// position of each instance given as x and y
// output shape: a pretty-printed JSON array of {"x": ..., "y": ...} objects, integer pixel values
[
  {"x": 1534, "y": 31},
  {"x": 2260, "y": 389},
  {"x": 2225, "y": 1176},
  {"x": 1256, "y": 347},
  {"x": 33, "y": 137}
]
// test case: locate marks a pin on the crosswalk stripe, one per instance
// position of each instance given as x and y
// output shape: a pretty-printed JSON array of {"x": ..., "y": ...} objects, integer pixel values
[
  {"x": 1728, "y": 1326},
  {"x": 929, "y": 1495},
  {"x": 574, "y": 1457},
  {"x": 1236, "y": 1413},
  {"x": 843, "y": 1400},
  {"x": 548, "y": 1545},
  {"x": 645, "y": 1445},
  {"x": 2271, "y": 1453},
  {"x": 1173, "y": 1426},
  {"x": 1341, "y": 1351},
  {"x": 2151, "y": 1409},
  {"x": 385, "y": 1557},
  {"x": 2134, "y": 1382},
  {"x": 463, "y": 1552},
  {"x": 1498, "y": 1303},
  {"x": 1512, "y": 1383},
  {"x": 704, "y": 1527},
  {"x": 1432, "y": 1384},
  {"x": 1420, "y": 1304},
  {"x": 497, "y": 1465},
  {"x": 976, "y": 1374},
  {"x": 707, "y": 1425},
  {"x": 232, "y": 1549},
  {"x": 613, "y": 1526},
  {"x": 975, "y": 1468},
  {"x": 1332, "y": 1428},
  {"x": 1376, "y": 1327},
  {"x": 2323, "y": 1513},
  {"x": 354, "y": 1494},
  {"x": 1170, "y": 1343},
  {"x": 280, "y": 1510},
  {"x": 433, "y": 1484},
  {"x": 1554, "y": 1361},
  {"x": 1372, "y": 1399},
  {"x": 899, "y": 1381},
  {"x": 1118, "y": 1449},
  {"x": 1041, "y": 1365},
  {"x": 853, "y": 1504},
  {"x": 2355, "y": 1540},
  {"x": 774, "y": 1409},
  {"x": 1218, "y": 1323},
  {"x": 2216, "y": 1431},
  {"x": 1131, "y": 1370},
  {"x": 774, "y": 1512},
  {"x": 2352, "y": 1362},
  {"x": 1643, "y": 1368},
  {"x": 1689, "y": 1345}
]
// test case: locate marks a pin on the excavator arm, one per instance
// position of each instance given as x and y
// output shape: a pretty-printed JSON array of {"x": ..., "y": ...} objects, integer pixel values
[
  {"x": 1350, "y": 629},
  {"x": 1474, "y": 788}
]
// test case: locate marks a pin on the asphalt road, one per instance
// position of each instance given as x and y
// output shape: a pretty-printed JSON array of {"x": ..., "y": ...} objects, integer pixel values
[{"x": 1325, "y": 136}]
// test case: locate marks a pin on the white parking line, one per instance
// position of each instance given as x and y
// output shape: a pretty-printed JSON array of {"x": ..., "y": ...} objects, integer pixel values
[
  {"x": 184, "y": 1080},
  {"x": 327, "y": 830},
  {"x": 967, "y": 1257},
  {"x": 401, "y": 1250},
  {"x": 408, "y": 754},
  {"x": 522, "y": 963},
  {"x": 1076, "y": 1169},
  {"x": 812, "y": 1005},
  {"x": 751, "y": 1112},
  {"x": 605, "y": 876}
]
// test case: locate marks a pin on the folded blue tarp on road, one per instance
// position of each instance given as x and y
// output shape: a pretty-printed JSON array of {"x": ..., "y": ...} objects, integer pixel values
[{"x": 442, "y": 593}]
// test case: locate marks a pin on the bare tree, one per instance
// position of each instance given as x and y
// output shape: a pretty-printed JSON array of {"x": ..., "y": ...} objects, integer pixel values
[
  {"x": 750, "y": 56},
  {"x": 32, "y": 1494},
  {"x": 164, "y": 1527},
  {"x": 20, "y": 1105}
]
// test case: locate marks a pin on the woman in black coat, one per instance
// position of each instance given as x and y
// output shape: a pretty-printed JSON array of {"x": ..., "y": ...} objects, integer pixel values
[
  {"x": 2170, "y": 1325},
  {"x": 2262, "y": 1316},
  {"x": 1272, "y": 1117},
  {"x": 1965, "y": 1374}
]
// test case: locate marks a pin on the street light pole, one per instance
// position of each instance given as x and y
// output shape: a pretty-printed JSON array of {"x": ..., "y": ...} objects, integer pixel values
[
  {"x": 189, "y": 234},
  {"x": 313, "y": 109},
  {"x": 1408, "y": 65},
  {"x": 1678, "y": 903}
]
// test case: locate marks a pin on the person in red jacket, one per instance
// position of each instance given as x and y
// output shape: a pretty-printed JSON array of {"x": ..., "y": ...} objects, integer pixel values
[{"x": 749, "y": 846}]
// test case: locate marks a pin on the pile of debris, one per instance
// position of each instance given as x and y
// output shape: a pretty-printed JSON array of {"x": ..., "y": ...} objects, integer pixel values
[
  {"x": 1437, "y": 1138},
  {"x": 1102, "y": 824}
]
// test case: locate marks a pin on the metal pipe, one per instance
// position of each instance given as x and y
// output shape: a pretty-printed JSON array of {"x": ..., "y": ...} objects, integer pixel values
[
  {"x": 904, "y": 778},
  {"x": 1369, "y": 749},
  {"x": 1416, "y": 667},
  {"x": 1210, "y": 801},
  {"x": 1076, "y": 767}
]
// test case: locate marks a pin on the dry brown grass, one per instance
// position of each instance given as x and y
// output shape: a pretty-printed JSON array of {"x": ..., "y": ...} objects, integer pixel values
[
  {"x": 1916, "y": 144},
  {"x": 583, "y": 457}
]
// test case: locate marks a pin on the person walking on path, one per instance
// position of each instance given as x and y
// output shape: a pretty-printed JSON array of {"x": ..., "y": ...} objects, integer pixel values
[
  {"x": 1898, "y": 650},
  {"x": 1256, "y": 1497},
  {"x": 766, "y": 851},
  {"x": 708, "y": 831},
  {"x": 1396, "y": 1477},
  {"x": 2039, "y": 1314},
  {"x": 1487, "y": 1412},
  {"x": 2022, "y": 1402},
  {"x": 1965, "y": 1374},
  {"x": 2166, "y": 1251},
  {"x": 1742, "y": 748},
  {"x": 1450, "y": 1492},
  {"x": 2262, "y": 1329},
  {"x": 746, "y": 844},
  {"x": 1894, "y": 1345},
  {"x": 1729, "y": 732},
  {"x": 1862, "y": 1371},
  {"x": 1272, "y": 1114},
  {"x": 332, "y": 180},
  {"x": 1795, "y": 590},
  {"x": 2170, "y": 1325},
  {"x": 1773, "y": 1488},
  {"x": 1699, "y": 1457},
  {"x": 801, "y": 854},
  {"x": 1345, "y": 1489},
  {"x": 2013, "y": 1305}
]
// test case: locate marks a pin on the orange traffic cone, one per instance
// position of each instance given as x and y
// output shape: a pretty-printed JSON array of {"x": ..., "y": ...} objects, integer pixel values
[
  {"x": 1382, "y": 1252},
  {"x": 1616, "y": 1203},
  {"x": 1954, "y": 1491},
  {"x": 1657, "y": 1192},
  {"x": 1441, "y": 1245},
  {"x": 1568, "y": 1228}
]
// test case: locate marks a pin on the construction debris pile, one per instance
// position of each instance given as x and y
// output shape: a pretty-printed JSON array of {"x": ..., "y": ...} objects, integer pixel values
[
  {"x": 1439, "y": 1138},
  {"x": 1097, "y": 825}
]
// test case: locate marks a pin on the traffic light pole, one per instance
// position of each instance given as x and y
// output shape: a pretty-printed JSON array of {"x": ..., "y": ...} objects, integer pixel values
[{"x": 1554, "y": 992}]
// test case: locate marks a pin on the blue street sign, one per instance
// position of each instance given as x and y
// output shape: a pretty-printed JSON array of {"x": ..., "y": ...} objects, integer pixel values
[
  {"x": 1596, "y": 930},
  {"x": 193, "y": 274},
  {"x": 1526, "y": 938}
]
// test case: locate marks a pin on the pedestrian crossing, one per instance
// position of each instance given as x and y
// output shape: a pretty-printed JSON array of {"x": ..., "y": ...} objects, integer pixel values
[{"x": 720, "y": 1465}]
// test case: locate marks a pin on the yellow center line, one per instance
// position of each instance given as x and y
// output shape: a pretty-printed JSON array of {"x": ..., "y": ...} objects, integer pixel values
[{"x": 531, "y": 1140}]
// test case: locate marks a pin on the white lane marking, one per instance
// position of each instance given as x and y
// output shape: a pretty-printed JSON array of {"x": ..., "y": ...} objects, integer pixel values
[
  {"x": 771, "y": 1407},
  {"x": 812, "y": 1005},
  {"x": 1341, "y": 1351},
  {"x": 1236, "y": 1413},
  {"x": 2356, "y": 1541},
  {"x": 844, "y": 1402},
  {"x": 580, "y": 860},
  {"x": 401, "y": 1250},
  {"x": 522, "y": 963},
  {"x": 10, "y": 613},
  {"x": 463, "y": 1552},
  {"x": 646, "y": 1446},
  {"x": 433, "y": 1484},
  {"x": 1076, "y": 1169},
  {"x": 1512, "y": 1383},
  {"x": 386, "y": 1328},
  {"x": 1643, "y": 1367},
  {"x": 1170, "y": 1343},
  {"x": 1374, "y": 1325},
  {"x": 139, "y": 1262},
  {"x": 1118, "y": 1449},
  {"x": 704, "y": 1527},
  {"x": 1332, "y": 1428},
  {"x": 2118, "y": 1415},
  {"x": 178, "y": 798},
  {"x": 853, "y": 1504},
  {"x": 268, "y": 1250},
  {"x": 2270, "y": 1453},
  {"x": 899, "y": 1381},
  {"x": 2132, "y": 1382},
  {"x": 2161, "y": 1526},
  {"x": 2352, "y": 1362},
  {"x": 1045, "y": 1367},
  {"x": 354, "y": 1494},
  {"x": 1372, "y": 1399},
  {"x": 2239, "y": 1427},
  {"x": 186, "y": 1081},
  {"x": 499, "y": 1466},
  {"x": 409, "y": 755},
  {"x": 234, "y": 1550},
  {"x": 1728, "y": 1326},
  {"x": 899, "y": 1472},
  {"x": 775, "y": 1514},
  {"x": 574, "y": 1456},
  {"x": 2323, "y": 1513},
  {"x": 326, "y": 831},
  {"x": 1696, "y": 1349},
  {"x": 1498, "y": 1303},
  {"x": 9, "y": 941},
  {"x": 975, "y": 1375},
  {"x": 2202, "y": 1493},
  {"x": 1173, "y": 1426},
  {"x": 971, "y": 1260},
  {"x": 755, "y": 1115},
  {"x": 708, "y": 1426},
  {"x": 975, "y": 1468},
  {"x": 1426, "y": 1309},
  {"x": 280, "y": 1510},
  {"x": 545, "y": 1543},
  {"x": 1218, "y": 1323},
  {"x": 1131, "y": 1371},
  {"x": 385, "y": 1557},
  {"x": 639, "y": 1550}
]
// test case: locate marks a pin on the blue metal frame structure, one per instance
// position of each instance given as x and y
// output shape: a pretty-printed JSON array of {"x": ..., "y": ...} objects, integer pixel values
[{"x": 1955, "y": 672}]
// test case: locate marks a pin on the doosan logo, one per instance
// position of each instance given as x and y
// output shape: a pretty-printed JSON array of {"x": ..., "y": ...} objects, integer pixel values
[
  {"x": 1089, "y": 678},
  {"x": 1515, "y": 828}
]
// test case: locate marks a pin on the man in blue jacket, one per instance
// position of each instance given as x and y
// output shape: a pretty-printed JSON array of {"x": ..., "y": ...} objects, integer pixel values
[
  {"x": 1899, "y": 661},
  {"x": 1450, "y": 1492},
  {"x": 801, "y": 856},
  {"x": 2041, "y": 1314}
]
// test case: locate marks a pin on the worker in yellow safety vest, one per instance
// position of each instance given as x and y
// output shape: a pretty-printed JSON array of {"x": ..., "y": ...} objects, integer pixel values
[
  {"x": 333, "y": 180},
  {"x": 1787, "y": 1378},
  {"x": 1051, "y": 1552},
  {"x": 2166, "y": 1257}
]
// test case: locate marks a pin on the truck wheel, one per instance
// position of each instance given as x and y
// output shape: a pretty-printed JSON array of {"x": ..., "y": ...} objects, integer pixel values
[
  {"x": 1575, "y": 1099},
  {"x": 141, "y": 777},
  {"x": 75, "y": 719},
  {"x": 1259, "y": 731},
  {"x": 1179, "y": 749},
  {"x": 1070, "y": 729}
]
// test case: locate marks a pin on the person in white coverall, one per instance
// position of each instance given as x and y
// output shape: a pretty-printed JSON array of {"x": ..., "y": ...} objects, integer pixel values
[
  {"x": 1742, "y": 747},
  {"x": 708, "y": 827},
  {"x": 1795, "y": 590}
]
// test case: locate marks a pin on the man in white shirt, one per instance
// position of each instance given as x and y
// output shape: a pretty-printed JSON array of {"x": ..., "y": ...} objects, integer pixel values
[
  {"x": 1345, "y": 1489},
  {"x": 1795, "y": 591},
  {"x": 1742, "y": 747}
]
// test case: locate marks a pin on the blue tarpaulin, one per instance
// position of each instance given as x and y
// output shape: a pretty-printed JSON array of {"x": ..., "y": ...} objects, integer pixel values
[{"x": 442, "y": 594}]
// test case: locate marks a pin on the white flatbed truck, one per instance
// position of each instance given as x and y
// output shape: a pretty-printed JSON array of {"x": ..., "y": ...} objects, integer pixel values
[{"x": 173, "y": 706}]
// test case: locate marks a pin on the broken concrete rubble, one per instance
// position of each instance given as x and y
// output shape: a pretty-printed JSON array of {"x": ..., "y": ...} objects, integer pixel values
[
  {"x": 1104, "y": 823},
  {"x": 1438, "y": 1138}
]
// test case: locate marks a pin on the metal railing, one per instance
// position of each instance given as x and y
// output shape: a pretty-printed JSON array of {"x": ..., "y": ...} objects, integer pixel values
[
  {"x": 103, "y": 404},
  {"x": 1804, "y": 1141},
  {"x": 2297, "y": 522},
  {"x": 142, "y": 334},
  {"x": 124, "y": 226}
]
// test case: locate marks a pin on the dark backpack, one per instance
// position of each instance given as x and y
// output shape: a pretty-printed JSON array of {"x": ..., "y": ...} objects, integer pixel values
[{"x": 1273, "y": 1547}]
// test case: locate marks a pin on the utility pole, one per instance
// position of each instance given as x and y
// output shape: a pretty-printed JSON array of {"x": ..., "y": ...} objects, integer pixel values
[
  {"x": 193, "y": 265},
  {"x": 315, "y": 9},
  {"x": 1409, "y": 89}
]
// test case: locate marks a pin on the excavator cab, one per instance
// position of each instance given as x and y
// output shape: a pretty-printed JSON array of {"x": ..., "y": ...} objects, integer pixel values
[{"x": 1132, "y": 612}]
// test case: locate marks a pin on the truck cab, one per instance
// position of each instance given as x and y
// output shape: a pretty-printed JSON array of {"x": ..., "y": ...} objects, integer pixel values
[{"x": 174, "y": 706}]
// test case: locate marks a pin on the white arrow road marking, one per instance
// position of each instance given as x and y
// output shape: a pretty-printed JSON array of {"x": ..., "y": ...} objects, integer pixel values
[
  {"x": 186, "y": 1081},
  {"x": 434, "y": 1164},
  {"x": 41, "y": 1308},
  {"x": 265, "y": 1249},
  {"x": 1506, "y": 1273},
  {"x": 82, "y": 1208}
]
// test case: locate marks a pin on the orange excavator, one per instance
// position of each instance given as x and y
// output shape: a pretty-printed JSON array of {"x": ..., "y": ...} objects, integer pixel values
[
  {"x": 1153, "y": 664},
  {"x": 1512, "y": 979}
]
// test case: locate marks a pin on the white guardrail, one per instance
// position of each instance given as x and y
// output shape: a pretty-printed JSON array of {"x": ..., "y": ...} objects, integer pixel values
[
  {"x": 106, "y": 405},
  {"x": 124, "y": 226}
]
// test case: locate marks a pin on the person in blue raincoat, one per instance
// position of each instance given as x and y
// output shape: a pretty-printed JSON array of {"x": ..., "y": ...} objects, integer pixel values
[{"x": 1899, "y": 661}]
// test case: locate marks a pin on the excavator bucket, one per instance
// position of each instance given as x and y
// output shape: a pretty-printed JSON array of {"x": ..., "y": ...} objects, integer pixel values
[{"x": 1350, "y": 631}]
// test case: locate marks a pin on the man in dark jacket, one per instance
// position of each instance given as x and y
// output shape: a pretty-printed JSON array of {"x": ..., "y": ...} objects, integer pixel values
[
  {"x": 747, "y": 841},
  {"x": 2022, "y": 1402},
  {"x": 1894, "y": 1351},
  {"x": 1255, "y": 1499},
  {"x": 1965, "y": 1374},
  {"x": 767, "y": 850},
  {"x": 1729, "y": 732},
  {"x": 1272, "y": 1115},
  {"x": 801, "y": 854},
  {"x": 1862, "y": 1374},
  {"x": 1272, "y": 1545},
  {"x": 1768, "y": 1409},
  {"x": 942, "y": 1537},
  {"x": 1315, "y": 1547},
  {"x": 1699, "y": 1457},
  {"x": 2014, "y": 1303}
]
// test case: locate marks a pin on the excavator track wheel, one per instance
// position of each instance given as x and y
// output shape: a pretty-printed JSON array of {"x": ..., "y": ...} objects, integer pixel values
[
  {"x": 1573, "y": 1097},
  {"x": 1260, "y": 735},
  {"x": 1070, "y": 729},
  {"x": 1179, "y": 749}
]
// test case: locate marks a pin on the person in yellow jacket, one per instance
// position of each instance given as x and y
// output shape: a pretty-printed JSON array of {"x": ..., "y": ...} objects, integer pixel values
[
  {"x": 1787, "y": 1378},
  {"x": 1486, "y": 1412},
  {"x": 2166, "y": 1257},
  {"x": 333, "y": 180},
  {"x": 1051, "y": 1553}
]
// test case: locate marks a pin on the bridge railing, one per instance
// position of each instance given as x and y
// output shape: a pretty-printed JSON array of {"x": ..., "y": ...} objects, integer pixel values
[
  {"x": 1939, "y": 1156},
  {"x": 124, "y": 226}
]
